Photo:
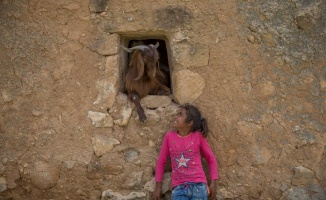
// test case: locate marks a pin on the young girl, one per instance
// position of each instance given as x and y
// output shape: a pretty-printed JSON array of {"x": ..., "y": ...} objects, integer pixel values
[{"x": 185, "y": 146}]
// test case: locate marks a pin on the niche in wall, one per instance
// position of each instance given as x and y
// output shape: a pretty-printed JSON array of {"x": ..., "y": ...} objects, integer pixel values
[{"x": 163, "y": 54}]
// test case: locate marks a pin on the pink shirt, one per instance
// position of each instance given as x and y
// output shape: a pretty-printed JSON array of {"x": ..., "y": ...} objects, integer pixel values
[{"x": 185, "y": 154}]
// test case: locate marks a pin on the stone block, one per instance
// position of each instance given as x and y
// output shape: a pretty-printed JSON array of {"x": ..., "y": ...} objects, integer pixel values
[
  {"x": 106, "y": 44},
  {"x": 121, "y": 110},
  {"x": 103, "y": 144},
  {"x": 166, "y": 184},
  {"x": 190, "y": 55},
  {"x": 302, "y": 176},
  {"x": 187, "y": 86},
  {"x": 97, "y": 6},
  {"x": 155, "y": 101},
  {"x": 100, "y": 119},
  {"x": 111, "y": 66},
  {"x": 107, "y": 91},
  {"x": 109, "y": 194},
  {"x": 44, "y": 175},
  {"x": 3, "y": 184}
]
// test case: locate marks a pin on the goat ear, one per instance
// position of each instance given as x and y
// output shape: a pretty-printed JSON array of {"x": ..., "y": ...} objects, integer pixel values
[{"x": 140, "y": 66}]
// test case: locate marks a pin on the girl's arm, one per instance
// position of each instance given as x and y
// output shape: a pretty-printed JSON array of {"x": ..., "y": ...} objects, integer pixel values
[
  {"x": 160, "y": 164},
  {"x": 162, "y": 158},
  {"x": 210, "y": 158}
]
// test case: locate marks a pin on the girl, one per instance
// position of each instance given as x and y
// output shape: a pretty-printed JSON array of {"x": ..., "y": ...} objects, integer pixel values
[{"x": 185, "y": 146}]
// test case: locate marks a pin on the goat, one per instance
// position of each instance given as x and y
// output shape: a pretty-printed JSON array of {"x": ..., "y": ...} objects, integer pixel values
[{"x": 144, "y": 76}]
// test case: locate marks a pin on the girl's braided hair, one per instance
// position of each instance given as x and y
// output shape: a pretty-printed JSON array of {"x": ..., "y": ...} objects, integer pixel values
[{"x": 194, "y": 115}]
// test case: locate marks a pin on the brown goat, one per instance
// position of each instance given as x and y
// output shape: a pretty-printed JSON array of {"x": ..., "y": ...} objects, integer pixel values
[{"x": 144, "y": 76}]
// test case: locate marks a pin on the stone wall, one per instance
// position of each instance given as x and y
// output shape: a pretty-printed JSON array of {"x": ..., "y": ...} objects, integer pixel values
[{"x": 256, "y": 69}]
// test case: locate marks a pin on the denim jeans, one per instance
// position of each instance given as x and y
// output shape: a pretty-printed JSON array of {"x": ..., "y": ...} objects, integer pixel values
[{"x": 190, "y": 191}]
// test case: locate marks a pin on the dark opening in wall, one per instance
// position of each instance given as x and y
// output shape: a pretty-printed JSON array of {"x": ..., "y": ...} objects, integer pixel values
[{"x": 163, "y": 57}]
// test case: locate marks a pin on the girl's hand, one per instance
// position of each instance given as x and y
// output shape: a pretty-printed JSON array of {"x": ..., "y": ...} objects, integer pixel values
[
  {"x": 213, "y": 190},
  {"x": 157, "y": 192}
]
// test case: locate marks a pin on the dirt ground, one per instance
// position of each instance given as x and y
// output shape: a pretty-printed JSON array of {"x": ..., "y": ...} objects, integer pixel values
[{"x": 263, "y": 67}]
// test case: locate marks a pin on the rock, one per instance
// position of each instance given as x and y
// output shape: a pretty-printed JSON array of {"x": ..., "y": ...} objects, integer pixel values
[
  {"x": 12, "y": 177},
  {"x": 304, "y": 135},
  {"x": 295, "y": 193},
  {"x": 305, "y": 22},
  {"x": 131, "y": 155},
  {"x": 3, "y": 184},
  {"x": 97, "y": 6},
  {"x": 171, "y": 111},
  {"x": 261, "y": 154},
  {"x": 95, "y": 195},
  {"x": 106, "y": 44},
  {"x": 133, "y": 180},
  {"x": 100, "y": 119},
  {"x": 264, "y": 89},
  {"x": 166, "y": 184},
  {"x": 36, "y": 112},
  {"x": 302, "y": 176},
  {"x": 148, "y": 174},
  {"x": 7, "y": 97},
  {"x": 72, "y": 6},
  {"x": 151, "y": 144},
  {"x": 69, "y": 164},
  {"x": 173, "y": 17},
  {"x": 112, "y": 163},
  {"x": 187, "y": 86},
  {"x": 2, "y": 168},
  {"x": 312, "y": 192},
  {"x": 112, "y": 66},
  {"x": 153, "y": 117},
  {"x": 110, "y": 195},
  {"x": 125, "y": 114},
  {"x": 107, "y": 91},
  {"x": 190, "y": 55},
  {"x": 44, "y": 175},
  {"x": 226, "y": 194},
  {"x": 81, "y": 193},
  {"x": 121, "y": 110},
  {"x": 251, "y": 38},
  {"x": 103, "y": 144},
  {"x": 155, "y": 101}
]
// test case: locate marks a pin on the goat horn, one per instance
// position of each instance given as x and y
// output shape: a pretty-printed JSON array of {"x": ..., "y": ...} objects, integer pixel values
[
  {"x": 155, "y": 46},
  {"x": 140, "y": 47}
]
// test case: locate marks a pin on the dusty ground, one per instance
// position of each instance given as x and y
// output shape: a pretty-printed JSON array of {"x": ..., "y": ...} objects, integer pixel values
[{"x": 264, "y": 95}]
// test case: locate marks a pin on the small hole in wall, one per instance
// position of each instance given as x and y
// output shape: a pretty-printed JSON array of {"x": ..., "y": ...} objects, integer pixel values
[{"x": 163, "y": 58}]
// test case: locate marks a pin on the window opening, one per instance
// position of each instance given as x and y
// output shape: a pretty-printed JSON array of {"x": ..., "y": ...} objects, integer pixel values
[{"x": 163, "y": 57}]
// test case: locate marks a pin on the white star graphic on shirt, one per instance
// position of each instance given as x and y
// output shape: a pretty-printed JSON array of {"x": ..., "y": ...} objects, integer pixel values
[{"x": 182, "y": 161}]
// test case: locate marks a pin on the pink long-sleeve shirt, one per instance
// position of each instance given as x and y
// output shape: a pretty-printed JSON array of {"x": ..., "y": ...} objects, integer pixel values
[{"x": 185, "y": 154}]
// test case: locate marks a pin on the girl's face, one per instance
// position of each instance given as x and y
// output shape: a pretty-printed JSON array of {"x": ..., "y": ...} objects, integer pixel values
[{"x": 180, "y": 120}]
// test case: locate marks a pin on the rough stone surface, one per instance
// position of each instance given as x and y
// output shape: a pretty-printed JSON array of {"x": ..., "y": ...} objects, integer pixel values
[
  {"x": 3, "y": 184},
  {"x": 109, "y": 194},
  {"x": 103, "y": 144},
  {"x": 188, "y": 86},
  {"x": 107, "y": 89},
  {"x": 166, "y": 184},
  {"x": 302, "y": 176},
  {"x": 154, "y": 101},
  {"x": 261, "y": 86},
  {"x": 107, "y": 44},
  {"x": 98, "y": 6},
  {"x": 190, "y": 55},
  {"x": 121, "y": 110},
  {"x": 44, "y": 175},
  {"x": 100, "y": 119}
]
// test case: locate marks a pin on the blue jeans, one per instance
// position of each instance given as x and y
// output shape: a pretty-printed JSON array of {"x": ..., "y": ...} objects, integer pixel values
[{"x": 190, "y": 191}]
